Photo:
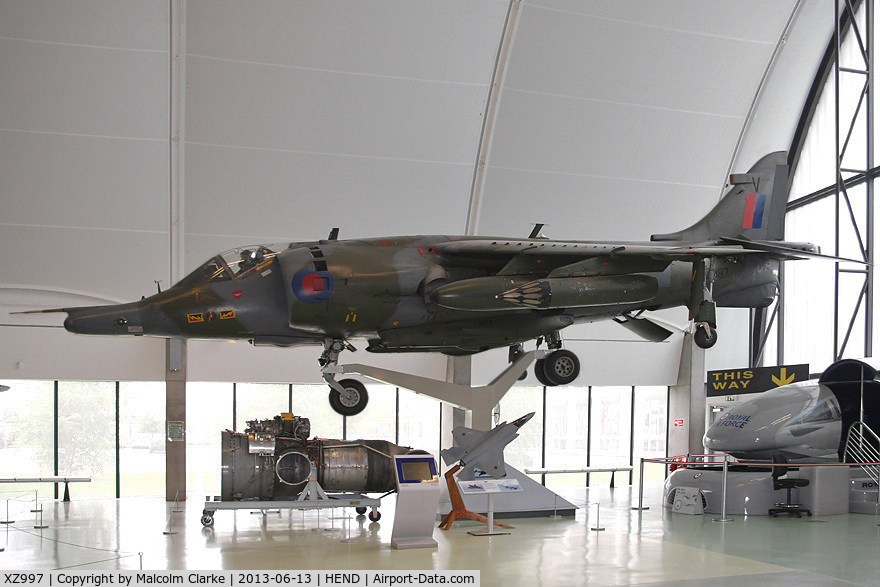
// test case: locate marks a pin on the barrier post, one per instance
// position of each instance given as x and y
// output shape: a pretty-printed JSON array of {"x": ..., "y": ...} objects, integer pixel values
[
  {"x": 723, "y": 517},
  {"x": 641, "y": 483},
  {"x": 7, "y": 520}
]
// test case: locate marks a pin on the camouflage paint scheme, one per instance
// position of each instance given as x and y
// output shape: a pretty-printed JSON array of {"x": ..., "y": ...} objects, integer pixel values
[{"x": 463, "y": 294}]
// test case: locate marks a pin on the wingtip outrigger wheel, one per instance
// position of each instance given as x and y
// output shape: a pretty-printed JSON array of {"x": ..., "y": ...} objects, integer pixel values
[
  {"x": 705, "y": 335},
  {"x": 513, "y": 353}
]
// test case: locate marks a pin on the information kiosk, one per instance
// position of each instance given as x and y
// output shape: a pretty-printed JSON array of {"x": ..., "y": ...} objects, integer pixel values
[{"x": 418, "y": 491}]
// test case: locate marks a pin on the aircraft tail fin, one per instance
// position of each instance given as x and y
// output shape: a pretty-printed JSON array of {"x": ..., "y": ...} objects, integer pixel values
[{"x": 753, "y": 208}]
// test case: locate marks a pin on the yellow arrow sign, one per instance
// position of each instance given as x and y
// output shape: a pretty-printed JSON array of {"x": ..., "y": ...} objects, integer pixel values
[{"x": 784, "y": 378}]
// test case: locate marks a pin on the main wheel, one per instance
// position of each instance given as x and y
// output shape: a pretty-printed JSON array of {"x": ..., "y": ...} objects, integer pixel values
[
  {"x": 207, "y": 520},
  {"x": 705, "y": 337},
  {"x": 360, "y": 510},
  {"x": 561, "y": 367},
  {"x": 374, "y": 515},
  {"x": 354, "y": 402},
  {"x": 539, "y": 373}
]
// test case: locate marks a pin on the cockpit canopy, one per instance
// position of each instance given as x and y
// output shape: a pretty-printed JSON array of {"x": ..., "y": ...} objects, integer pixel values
[{"x": 235, "y": 263}]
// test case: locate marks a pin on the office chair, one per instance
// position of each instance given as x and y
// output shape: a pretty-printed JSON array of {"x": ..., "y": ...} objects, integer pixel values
[{"x": 792, "y": 509}]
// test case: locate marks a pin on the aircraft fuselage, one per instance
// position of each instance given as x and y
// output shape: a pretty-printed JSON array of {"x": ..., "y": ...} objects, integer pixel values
[{"x": 386, "y": 290}]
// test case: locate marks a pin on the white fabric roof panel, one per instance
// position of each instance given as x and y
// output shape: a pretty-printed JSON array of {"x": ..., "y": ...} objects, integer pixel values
[
  {"x": 642, "y": 104},
  {"x": 84, "y": 145},
  {"x": 360, "y": 115}
]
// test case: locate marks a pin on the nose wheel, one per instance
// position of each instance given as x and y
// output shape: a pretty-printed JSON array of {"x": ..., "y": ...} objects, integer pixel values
[
  {"x": 352, "y": 400},
  {"x": 347, "y": 397}
]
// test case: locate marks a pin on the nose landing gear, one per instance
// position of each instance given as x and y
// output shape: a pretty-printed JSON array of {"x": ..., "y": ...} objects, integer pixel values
[{"x": 348, "y": 397}]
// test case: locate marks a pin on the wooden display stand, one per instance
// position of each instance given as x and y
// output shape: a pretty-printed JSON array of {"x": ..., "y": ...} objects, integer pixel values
[{"x": 459, "y": 511}]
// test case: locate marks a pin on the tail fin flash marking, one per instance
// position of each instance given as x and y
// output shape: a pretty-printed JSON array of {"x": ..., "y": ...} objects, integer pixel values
[{"x": 753, "y": 215}]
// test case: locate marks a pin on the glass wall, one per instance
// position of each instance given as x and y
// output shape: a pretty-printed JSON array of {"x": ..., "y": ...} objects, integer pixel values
[
  {"x": 526, "y": 451},
  {"x": 419, "y": 422},
  {"x": 378, "y": 420},
  {"x": 582, "y": 427},
  {"x": 650, "y": 417},
  {"x": 610, "y": 427},
  {"x": 27, "y": 436},
  {"x": 87, "y": 435},
  {"x": 260, "y": 401},
  {"x": 311, "y": 401},
  {"x": 208, "y": 412},
  {"x": 568, "y": 434},
  {"x": 822, "y": 321},
  {"x": 142, "y": 438}
]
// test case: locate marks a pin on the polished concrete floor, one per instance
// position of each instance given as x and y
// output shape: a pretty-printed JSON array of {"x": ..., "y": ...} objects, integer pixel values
[{"x": 652, "y": 547}]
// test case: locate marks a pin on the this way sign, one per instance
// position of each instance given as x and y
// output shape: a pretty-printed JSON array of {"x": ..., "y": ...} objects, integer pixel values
[{"x": 755, "y": 380}]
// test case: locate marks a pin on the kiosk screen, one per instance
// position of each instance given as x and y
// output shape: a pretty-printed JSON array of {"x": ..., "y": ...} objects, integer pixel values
[{"x": 422, "y": 470}]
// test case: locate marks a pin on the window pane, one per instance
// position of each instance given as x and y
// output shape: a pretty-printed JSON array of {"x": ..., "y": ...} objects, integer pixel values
[
  {"x": 87, "y": 435},
  {"x": 259, "y": 401},
  {"x": 378, "y": 420},
  {"x": 609, "y": 430},
  {"x": 142, "y": 438},
  {"x": 27, "y": 437},
  {"x": 567, "y": 433},
  {"x": 649, "y": 431},
  {"x": 311, "y": 401},
  {"x": 208, "y": 413},
  {"x": 420, "y": 422},
  {"x": 525, "y": 451},
  {"x": 809, "y": 287}
]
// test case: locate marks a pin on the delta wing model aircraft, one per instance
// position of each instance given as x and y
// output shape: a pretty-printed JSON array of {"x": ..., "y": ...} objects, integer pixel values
[{"x": 461, "y": 295}]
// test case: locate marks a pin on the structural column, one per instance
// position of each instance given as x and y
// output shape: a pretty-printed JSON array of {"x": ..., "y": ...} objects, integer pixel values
[
  {"x": 175, "y": 420},
  {"x": 458, "y": 370},
  {"x": 687, "y": 402}
]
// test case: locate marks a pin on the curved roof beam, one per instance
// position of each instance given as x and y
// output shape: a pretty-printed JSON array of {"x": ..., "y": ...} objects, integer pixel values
[
  {"x": 771, "y": 64},
  {"x": 501, "y": 61}
]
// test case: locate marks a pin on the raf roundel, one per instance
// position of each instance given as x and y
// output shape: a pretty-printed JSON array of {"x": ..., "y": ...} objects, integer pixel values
[{"x": 312, "y": 287}]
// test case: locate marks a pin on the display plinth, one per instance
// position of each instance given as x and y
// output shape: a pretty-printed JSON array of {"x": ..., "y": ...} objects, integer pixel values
[{"x": 418, "y": 489}]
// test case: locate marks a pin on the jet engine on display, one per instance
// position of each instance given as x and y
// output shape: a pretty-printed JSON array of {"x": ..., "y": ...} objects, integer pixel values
[{"x": 275, "y": 460}]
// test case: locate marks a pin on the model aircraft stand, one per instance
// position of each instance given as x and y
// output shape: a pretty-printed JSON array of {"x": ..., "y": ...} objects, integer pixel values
[
  {"x": 480, "y": 400},
  {"x": 459, "y": 511},
  {"x": 312, "y": 497}
]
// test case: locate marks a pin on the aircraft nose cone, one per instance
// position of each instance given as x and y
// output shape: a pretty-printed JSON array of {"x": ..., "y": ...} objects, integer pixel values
[
  {"x": 114, "y": 319},
  {"x": 729, "y": 435}
]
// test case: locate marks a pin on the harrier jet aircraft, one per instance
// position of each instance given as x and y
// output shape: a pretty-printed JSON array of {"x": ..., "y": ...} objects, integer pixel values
[{"x": 461, "y": 295}]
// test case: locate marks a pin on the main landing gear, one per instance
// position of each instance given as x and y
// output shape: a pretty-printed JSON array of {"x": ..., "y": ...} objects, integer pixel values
[
  {"x": 702, "y": 308},
  {"x": 348, "y": 397},
  {"x": 559, "y": 366}
]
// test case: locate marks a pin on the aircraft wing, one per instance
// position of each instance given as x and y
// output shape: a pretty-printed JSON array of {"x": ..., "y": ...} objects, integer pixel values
[{"x": 584, "y": 249}]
